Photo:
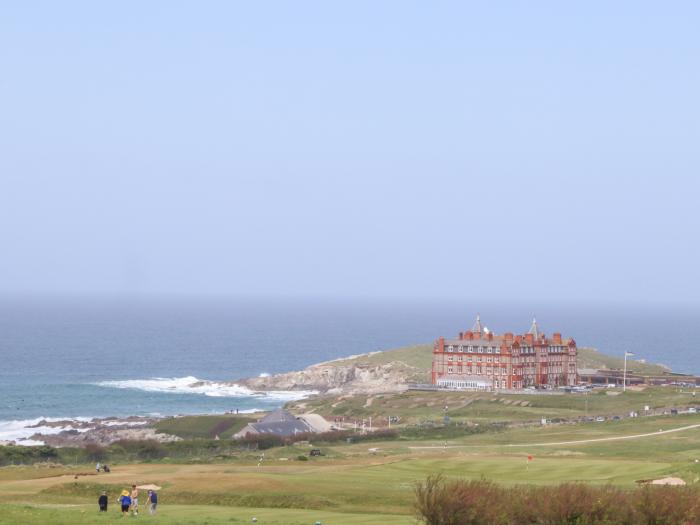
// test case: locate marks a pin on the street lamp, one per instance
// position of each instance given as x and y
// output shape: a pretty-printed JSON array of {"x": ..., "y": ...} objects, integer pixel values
[{"x": 624, "y": 373}]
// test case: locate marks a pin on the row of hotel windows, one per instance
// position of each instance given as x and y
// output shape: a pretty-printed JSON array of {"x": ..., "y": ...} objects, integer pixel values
[
  {"x": 497, "y": 350},
  {"x": 487, "y": 359},
  {"x": 475, "y": 349},
  {"x": 515, "y": 360},
  {"x": 549, "y": 349},
  {"x": 478, "y": 370},
  {"x": 531, "y": 359},
  {"x": 551, "y": 370}
]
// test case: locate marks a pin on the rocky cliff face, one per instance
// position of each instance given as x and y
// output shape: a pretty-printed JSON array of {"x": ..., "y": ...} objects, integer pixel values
[{"x": 340, "y": 378}]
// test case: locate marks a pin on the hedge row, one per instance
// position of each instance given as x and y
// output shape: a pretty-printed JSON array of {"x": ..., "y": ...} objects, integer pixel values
[{"x": 440, "y": 502}]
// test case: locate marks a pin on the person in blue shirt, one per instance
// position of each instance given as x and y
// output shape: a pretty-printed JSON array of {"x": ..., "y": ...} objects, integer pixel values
[{"x": 125, "y": 501}]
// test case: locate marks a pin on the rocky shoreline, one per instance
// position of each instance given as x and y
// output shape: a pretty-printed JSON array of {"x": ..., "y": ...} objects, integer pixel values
[
  {"x": 339, "y": 377},
  {"x": 103, "y": 432}
]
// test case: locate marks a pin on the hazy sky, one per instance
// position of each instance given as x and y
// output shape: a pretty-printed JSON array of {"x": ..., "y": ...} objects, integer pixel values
[{"x": 536, "y": 150}]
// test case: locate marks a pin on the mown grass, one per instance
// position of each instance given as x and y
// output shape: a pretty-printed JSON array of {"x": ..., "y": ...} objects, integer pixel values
[
  {"x": 203, "y": 427},
  {"x": 191, "y": 515}
]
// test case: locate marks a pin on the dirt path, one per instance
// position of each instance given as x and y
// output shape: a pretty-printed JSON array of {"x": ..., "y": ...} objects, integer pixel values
[{"x": 577, "y": 442}]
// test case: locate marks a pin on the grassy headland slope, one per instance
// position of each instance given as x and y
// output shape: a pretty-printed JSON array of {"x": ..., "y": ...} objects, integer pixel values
[
  {"x": 419, "y": 357},
  {"x": 592, "y": 358}
]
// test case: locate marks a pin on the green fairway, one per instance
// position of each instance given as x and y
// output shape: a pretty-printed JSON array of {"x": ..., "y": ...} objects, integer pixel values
[{"x": 190, "y": 514}]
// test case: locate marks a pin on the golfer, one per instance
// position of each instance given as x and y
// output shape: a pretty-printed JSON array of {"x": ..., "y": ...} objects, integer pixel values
[
  {"x": 125, "y": 501},
  {"x": 102, "y": 501},
  {"x": 135, "y": 500},
  {"x": 152, "y": 501}
]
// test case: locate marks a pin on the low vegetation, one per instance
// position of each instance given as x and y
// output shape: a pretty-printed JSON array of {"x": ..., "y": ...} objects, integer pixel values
[{"x": 464, "y": 502}]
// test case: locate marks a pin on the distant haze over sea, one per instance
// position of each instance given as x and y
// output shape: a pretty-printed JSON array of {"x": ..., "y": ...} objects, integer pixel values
[{"x": 71, "y": 358}]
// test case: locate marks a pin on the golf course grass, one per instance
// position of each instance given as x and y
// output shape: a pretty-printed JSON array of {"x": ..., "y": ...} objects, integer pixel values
[{"x": 359, "y": 483}]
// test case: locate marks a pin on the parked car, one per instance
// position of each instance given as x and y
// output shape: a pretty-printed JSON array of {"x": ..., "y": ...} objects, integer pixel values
[
  {"x": 315, "y": 452},
  {"x": 692, "y": 410},
  {"x": 599, "y": 419}
]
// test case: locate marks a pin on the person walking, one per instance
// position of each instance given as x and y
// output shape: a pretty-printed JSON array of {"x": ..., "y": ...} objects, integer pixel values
[
  {"x": 102, "y": 501},
  {"x": 134, "y": 500},
  {"x": 97, "y": 468},
  {"x": 125, "y": 501},
  {"x": 152, "y": 501}
]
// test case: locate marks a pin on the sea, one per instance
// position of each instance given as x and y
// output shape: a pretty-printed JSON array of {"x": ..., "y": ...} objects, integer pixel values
[{"x": 83, "y": 358}]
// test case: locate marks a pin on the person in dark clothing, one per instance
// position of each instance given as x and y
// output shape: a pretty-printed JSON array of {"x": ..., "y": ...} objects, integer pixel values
[
  {"x": 152, "y": 501},
  {"x": 102, "y": 502}
]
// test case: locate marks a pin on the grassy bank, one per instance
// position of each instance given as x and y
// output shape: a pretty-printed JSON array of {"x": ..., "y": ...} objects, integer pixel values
[{"x": 415, "y": 406}]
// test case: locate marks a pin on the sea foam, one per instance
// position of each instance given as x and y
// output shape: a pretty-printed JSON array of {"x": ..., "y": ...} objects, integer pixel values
[
  {"x": 20, "y": 430},
  {"x": 192, "y": 385}
]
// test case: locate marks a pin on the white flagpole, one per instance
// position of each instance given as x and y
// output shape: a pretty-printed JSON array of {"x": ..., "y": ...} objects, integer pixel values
[{"x": 624, "y": 373}]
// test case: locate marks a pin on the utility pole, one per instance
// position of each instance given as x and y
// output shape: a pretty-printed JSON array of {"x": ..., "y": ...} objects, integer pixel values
[{"x": 624, "y": 373}]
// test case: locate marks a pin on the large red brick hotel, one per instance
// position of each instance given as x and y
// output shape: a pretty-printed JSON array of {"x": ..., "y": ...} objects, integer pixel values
[{"x": 480, "y": 360}]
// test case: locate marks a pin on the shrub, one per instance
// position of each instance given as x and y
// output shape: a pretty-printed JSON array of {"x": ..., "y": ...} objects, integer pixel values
[
  {"x": 95, "y": 452},
  {"x": 458, "y": 502}
]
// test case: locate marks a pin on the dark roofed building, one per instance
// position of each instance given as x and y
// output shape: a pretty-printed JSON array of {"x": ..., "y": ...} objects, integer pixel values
[{"x": 278, "y": 416}]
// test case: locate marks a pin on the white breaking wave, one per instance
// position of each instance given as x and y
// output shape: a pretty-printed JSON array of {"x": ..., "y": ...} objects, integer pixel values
[
  {"x": 192, "y": 385},
  {"x": 20, "y": 430},
  {"x": 124, "y": 423}
]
